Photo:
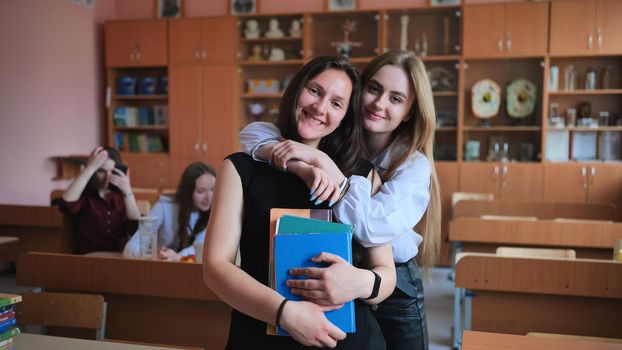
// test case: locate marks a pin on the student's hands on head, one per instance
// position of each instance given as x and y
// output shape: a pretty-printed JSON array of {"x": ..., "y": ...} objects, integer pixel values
[
  {"x": 306, "y": 323},
  {"x": 121, "y": 180},
  {"x": 328, "y": 286},
  {"x": 98, "y": 157}
]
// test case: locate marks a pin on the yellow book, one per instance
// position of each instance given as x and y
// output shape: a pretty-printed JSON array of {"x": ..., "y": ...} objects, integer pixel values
[{"x": 9, "y": 299}]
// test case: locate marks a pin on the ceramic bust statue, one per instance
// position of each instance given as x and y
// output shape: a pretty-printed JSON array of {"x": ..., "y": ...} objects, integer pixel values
[
  {"x": 252, "y": 29},
  {"x": 295, "y": 30},
  {"x": 274, "y": 31}
]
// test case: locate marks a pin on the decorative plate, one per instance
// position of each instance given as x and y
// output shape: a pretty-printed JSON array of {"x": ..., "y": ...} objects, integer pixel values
[
  {"x": 521, "y": 98},
  {"x": 485, "y": 98}
]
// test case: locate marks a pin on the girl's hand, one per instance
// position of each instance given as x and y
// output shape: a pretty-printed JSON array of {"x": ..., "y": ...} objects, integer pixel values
[
  {"x": 121, "y": 180},
  {"x": 320, "y": 184},
  {"x": 332, "y": 285},
  {"x": 287, "y": 150},
  {"x": 168, "y": 254},
  {"x": 306, "y": 323},
  {"x": 98, "y": 157}
]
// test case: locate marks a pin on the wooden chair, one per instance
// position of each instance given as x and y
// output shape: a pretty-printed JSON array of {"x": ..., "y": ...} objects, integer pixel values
[
  {"x": 536, "y": 252},
  {"x": 461, "y": 196},
  {"x": 72, "y": 310},
  {"x": 143, "y": 206}
]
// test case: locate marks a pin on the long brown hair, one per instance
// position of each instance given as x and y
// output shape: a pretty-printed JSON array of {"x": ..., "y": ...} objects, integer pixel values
[
  {"x": 349, "y": 135},
  {"x": 417, "y": 133},
  {"x": 184, "y": 198}
]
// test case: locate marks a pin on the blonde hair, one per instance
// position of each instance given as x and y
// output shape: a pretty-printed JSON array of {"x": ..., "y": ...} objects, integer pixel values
[{"x": 417, "y": 133}]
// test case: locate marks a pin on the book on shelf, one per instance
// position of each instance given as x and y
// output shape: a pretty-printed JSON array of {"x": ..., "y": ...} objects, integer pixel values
[
  {"x": 5, "y": 325},
  {"x": 9, "y": 334},
  {"x": 160, "y": 115},
  {"x": 7, "y": 315},
  {"x": 296, "y": 241}
]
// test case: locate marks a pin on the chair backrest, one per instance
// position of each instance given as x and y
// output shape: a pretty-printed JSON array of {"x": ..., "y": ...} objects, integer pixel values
[
  {"x": 143, "y": 206},
  {"x": 536, "y": 252},
  {"x": 63, "y": 310},
  {"x": 461, "y": 196}
]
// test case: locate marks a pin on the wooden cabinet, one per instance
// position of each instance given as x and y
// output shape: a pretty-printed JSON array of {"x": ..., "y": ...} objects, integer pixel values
[
  {"x": 503, "y": 180},
  {"x": 204, "y": 41},
  {"x": 447, "y": 173},
  {"x": 151, "y": 172},
  {"x": 583, "y": 182},
  {"x": 584, "y": 27},
  {"x": 140, "y": 43},
  {"x": 505, "y": 30}
]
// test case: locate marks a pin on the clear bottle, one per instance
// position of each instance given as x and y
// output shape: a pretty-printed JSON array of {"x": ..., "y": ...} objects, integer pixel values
[
  {"x": 570, "y": 78},
  {"x": 606, "y": 80},
  {"x": 148, "y": 238},
  {"x": 590, "y": 79}
]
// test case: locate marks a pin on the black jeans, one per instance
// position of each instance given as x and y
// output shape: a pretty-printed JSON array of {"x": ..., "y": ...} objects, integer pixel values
[{"x": 401, "y": 316}]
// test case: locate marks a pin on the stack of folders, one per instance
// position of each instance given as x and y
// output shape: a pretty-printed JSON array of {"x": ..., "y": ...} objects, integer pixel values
[
  {"x": 297, "y": 235},
  {"x": 8, "y": 330}
]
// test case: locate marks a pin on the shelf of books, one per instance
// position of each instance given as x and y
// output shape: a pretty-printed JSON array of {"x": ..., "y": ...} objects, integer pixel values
[{"x": 138, "y": 110}]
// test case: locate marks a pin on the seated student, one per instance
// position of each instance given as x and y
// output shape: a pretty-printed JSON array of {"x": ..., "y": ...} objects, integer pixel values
[
  {"x": 101, "y": 203},
  {"x": 180, "y": 219}
]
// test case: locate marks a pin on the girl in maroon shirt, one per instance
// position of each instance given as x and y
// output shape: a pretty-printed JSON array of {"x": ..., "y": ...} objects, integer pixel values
[{"x": 101, "y": 204}]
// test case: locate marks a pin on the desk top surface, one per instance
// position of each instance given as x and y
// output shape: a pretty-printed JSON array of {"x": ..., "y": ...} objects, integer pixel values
[
  {"x": 37, "y": 341},
  {"x": 492, "y": 341},
  {"x": 7, "y": 239}
]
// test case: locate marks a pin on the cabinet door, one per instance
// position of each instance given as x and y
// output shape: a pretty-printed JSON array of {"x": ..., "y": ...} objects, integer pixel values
[
  {"x": 185, "y": 108},
  {"x": 521, "y": 182},
  {"x": 220, "y": 40},
  {"x": 152, "y": 42},
  {"x": 149, "y": 171},
  {"x": 608, "y": 26},
  {"x": 480, "y": 178},
  {"x": 220, "y": 129},
  {"x": 572, "y": 23},
  {"x": 484, "y": 30},
  {"x": 119, "y": 41},
  {"x": 185, "y": 41},
  {"x": 526, "y": 26},
  {"x": 605, "y": 184},
  {"x": 565, "y": 183}
]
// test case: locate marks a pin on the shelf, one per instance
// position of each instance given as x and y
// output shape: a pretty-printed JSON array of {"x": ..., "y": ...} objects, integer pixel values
[
  {"x": 587, "y": 92},
  {"x": 439, "y": 58},
  {"x": 263, "y": 40},
  {"x": 266, "y": 95},
  {"x": 272, "y": 63},
  {"x": 360, "y": 59},
  {"x": 444, "y": 93},
  {"x": 502, "y": 128},
  {"x": 446, "y": 128},
  {"x": 587, "y": 128},
  {"x": 142, "y": 128},
  {"x": 140, "y": 97}
]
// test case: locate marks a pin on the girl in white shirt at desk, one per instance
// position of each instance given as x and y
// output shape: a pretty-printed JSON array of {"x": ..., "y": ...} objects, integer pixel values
[
  {"x": 399, "y": 122},
  {"x": 180, "y": 219}
]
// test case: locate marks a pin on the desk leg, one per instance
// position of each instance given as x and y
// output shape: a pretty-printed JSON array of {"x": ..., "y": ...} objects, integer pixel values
[
  {"x": 468, "y": 298},
  {"x": 457, "y": 318}
]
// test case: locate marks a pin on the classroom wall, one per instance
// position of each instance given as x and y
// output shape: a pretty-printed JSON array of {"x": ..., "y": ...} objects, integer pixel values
[{"x": 51, "y": 91}]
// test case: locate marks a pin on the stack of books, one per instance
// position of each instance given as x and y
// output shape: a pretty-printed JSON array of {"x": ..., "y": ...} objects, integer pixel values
[
  {"x": 297, "y": 235},
  {"x": 8, "y": 330}
]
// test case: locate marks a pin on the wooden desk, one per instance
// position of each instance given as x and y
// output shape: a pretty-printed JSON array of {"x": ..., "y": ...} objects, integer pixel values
[
  {"x": 521, "y": 295},
  {"x": 589, "y": 238},
  {"x": 6, "y": 240},
  {"x": 496, "y": 341},
  {"x": 28, "y": 341},
  {"x": 541, "y": 210},
  {"x": 38, "y": 229},
  {"x": 148, "y": 301}
]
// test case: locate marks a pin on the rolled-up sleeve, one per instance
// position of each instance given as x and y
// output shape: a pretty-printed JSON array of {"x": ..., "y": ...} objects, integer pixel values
[
  {"x": 394, "y": 210},
  {"x": 257, "y": 134}
]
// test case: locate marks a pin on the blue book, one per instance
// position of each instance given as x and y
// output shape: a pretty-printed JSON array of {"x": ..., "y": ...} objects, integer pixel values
[
  {"x": 4, "y": 326},
  {"x": 296, "y": 242}
]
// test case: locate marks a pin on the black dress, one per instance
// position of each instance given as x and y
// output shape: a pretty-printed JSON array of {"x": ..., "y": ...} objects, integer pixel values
[{"x": 265, "y": 188}]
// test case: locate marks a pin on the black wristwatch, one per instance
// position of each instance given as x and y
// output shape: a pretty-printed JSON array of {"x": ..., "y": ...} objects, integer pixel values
[{"x": 376, "y": 289}]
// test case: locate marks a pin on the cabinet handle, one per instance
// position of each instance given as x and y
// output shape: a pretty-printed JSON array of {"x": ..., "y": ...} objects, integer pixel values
[
  {"x": 584, "y": 176},
  {"x": 197, "y": 54},
  {"x": 599, "y": 40},
  {"x": 196, "y": 146},
  {"x": 204, "y": 146},
  {"x": 500, "y": 44},
  {"x": 131, "y": 57},
  {"x": 495, "y": 173},
  {"x": 504, "y": 172},
  {"x": 203, "y": 54},
  {"x": 508, "y": 42},
  {"x": 138, "y": 55},
  {"x": 590, "y": 41},
  {"x": 592, "y": 175}
]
